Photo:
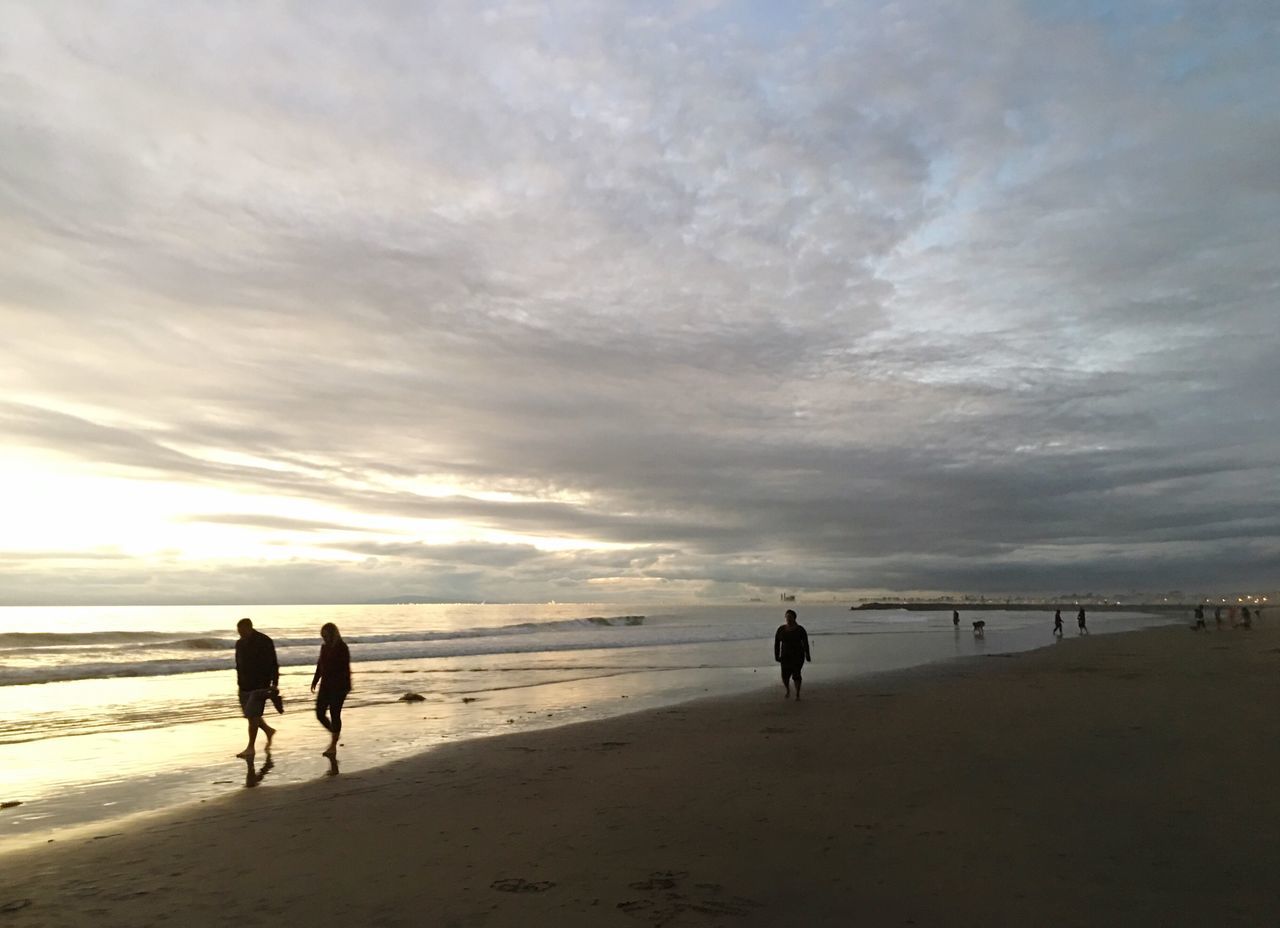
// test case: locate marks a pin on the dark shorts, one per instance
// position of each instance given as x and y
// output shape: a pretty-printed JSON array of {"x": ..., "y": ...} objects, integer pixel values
[
  {"x": 330, "y": 699},
  {"x": 792, "y": 672},
  {"x": 253, "y": 702}
]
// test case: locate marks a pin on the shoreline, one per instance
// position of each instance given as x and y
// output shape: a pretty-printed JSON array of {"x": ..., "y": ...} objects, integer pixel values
[
  {"x": 147, "y": 770},
  {"x": 1066, "y": 606},
  {"x": 1116, "y": 779}
]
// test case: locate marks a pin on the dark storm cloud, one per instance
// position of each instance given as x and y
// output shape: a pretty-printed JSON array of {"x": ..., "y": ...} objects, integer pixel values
[{"x": 873, "y": 296}]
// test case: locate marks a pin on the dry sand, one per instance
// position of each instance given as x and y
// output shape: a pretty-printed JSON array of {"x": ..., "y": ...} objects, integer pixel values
[{"x": 1113, "y": 780}]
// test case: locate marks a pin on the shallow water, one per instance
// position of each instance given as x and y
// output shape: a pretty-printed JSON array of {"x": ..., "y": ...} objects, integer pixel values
[{"x": 89, "y": 751}]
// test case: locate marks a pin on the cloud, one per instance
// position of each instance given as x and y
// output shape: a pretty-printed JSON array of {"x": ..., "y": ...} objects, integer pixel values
[
  {"x": 872, "y": 296},
  {"x": 30, "y": 555},
  {"x": 273, "y": 522}
]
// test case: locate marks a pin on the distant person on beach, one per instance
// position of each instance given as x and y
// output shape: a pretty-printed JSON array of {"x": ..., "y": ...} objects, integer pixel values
[
  {"x": 1200, "y": 617},
  {"x": 1057, "y": 622},
  {"x": 1246, "y": 618},
  {"x": 333, "y": 674},
  {"x": 955, "y": 618},
  {"x": 1217, "y": 616},
  {"x": 258, "y": 675},
  {"x": 1084, "y": 629},
  {"x": 791, "y": 650}
]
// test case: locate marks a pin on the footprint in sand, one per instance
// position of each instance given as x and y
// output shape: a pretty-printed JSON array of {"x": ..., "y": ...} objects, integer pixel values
[
  {"x": 658, "y": 881},
  {"x": 517, "y": 884},
  {"x": 664, "y": 902}
]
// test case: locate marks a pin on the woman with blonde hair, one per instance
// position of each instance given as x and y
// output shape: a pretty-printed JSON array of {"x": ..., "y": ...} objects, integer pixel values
[{"x": 333, "y": 674}]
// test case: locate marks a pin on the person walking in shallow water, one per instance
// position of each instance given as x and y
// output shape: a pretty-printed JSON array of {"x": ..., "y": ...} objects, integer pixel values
[
  {"x": 1084, "y": 629},
  {"x": 955, "y": 618},
  {"x": 791, "y": 650},
  {"x": 333, "y": 674},
  {"x": 257, "y": 676},
  {"x": 1057, "y": 622}
]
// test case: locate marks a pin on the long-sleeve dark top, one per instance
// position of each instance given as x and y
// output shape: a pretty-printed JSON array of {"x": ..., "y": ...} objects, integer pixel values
[
  {"x": 333, "y": 670},
  {"x": 791, "y": 644},
  {"x": 256, "y": 664}
]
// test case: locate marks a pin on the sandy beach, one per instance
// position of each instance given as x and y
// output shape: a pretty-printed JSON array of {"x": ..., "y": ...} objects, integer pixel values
[{"x": 1115, "y": 780}]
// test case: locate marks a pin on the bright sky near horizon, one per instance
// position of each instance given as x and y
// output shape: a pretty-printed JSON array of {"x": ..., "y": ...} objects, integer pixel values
[{"x": 601, "y": 301}]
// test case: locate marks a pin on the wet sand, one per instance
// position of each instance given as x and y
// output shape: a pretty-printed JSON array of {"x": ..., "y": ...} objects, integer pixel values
[{"x": 1115, "y": 780}]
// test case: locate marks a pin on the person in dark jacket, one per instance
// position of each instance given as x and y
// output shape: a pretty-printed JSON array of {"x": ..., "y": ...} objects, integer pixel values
[
  {"x": 257, "y": 675},
  {"x": 333, "y": 675},
  {"x": 791, "y": 650}
]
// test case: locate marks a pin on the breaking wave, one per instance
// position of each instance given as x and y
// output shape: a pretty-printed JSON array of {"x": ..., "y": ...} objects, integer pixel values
[{"x": 47, "y": 657}]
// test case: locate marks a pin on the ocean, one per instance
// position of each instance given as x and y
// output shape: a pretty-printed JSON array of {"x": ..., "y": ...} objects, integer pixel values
[{"x": 111, "y": 712}]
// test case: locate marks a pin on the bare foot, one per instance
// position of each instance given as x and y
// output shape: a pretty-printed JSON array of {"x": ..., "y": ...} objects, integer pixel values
[
  {"x": 787, "y": 695},
  {"x": 270, "y": 734},
  {"x": 331, "y": 752},
  {"x": 245, "y": 754}
]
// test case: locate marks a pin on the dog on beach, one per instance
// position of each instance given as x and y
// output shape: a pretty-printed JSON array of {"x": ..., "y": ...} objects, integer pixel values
[{"x": 980, "y": 629}]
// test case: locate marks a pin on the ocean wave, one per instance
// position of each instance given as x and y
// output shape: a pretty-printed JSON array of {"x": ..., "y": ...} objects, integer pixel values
[
  {"x": 206, "y": 644},
  {"x": 71, "y": 642},
  {"x": 498, "y": 631},
  {"x": 45, "y": 663},
  {"x": 14, "y": 641}
]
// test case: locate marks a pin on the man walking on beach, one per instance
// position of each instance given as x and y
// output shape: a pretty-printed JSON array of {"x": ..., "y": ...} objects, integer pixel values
[
  {"x": 1084, "y": 630},
  {"x": 791, "y": 650},
  {"x": 257, "y": 674},
  {"x": 1057, "y": 622}
]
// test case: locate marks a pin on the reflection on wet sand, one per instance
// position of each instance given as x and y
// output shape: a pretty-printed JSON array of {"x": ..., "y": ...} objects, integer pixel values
[{"x": 253, "y": 777}]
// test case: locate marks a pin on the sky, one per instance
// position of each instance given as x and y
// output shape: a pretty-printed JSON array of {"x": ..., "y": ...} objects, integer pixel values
[{"x": 593, "y": 301}]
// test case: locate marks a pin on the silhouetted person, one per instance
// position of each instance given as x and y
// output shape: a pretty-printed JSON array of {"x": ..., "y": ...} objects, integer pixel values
[
  {"x": 257, "y": 674},
  {"x": 1057, "y": 622},
  {"x": 1217, "y": 616},
  {"x": 333, "y": 674},
  {"x": 955, "y": 618},
  {"x": 1200, "y": 617},
  {"x": 1084, "y": 629},
  {"x": 791, "y": 650},
  {"x": 1246, "y": 617}
]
